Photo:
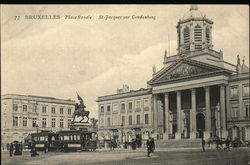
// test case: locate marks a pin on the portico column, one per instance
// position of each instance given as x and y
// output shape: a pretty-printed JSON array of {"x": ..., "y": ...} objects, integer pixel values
[
  {"x": 155, "y": 112},
  {"x": 222, "y": 111},
  {"x": 179, "y": 129},
  {"x": 208, "y": 113},
  {"x": 166, "y": 133},
  {"x": 193, "y": 115}
]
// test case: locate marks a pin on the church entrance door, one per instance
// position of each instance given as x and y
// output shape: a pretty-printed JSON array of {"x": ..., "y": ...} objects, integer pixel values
[{"x": 200, "y": 124}]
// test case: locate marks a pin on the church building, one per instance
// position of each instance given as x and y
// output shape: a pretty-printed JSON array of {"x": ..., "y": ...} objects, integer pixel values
[{"x": 196, "y": 94}]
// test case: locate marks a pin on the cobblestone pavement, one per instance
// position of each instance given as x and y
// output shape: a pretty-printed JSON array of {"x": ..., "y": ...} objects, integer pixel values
[{"x": 164, "y": 156}]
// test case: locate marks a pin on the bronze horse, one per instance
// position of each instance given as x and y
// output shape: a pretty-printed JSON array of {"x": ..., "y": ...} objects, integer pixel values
[{"x": 79, "y": 111}]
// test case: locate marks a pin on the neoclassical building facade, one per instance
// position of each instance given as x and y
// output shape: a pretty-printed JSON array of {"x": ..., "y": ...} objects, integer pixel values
[
  {"x": 24, "y": 114},
  {"x": 196, "y": 94}
]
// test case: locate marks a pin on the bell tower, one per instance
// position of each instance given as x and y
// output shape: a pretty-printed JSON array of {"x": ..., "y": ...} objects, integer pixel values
[{"x": 194, "y": 32}]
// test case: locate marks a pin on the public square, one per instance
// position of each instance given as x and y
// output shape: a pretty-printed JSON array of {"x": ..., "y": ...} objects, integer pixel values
[{"x": 162, "y": 156}]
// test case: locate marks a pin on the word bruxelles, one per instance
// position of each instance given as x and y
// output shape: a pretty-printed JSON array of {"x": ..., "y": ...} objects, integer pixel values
[{"x": 109, "y": 17}]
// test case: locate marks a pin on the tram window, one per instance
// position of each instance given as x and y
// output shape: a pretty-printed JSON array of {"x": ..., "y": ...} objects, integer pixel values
[
  {"x": 66, "y": 138},
  {"x": 77, "y": 137}
]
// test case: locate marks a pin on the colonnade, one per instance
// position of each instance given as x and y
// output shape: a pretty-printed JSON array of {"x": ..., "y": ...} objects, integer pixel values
[{"x": 221, "y": 120}]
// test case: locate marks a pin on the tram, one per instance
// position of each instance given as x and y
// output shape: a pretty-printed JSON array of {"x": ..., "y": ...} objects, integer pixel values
[
  {"x": 70, "y": 140},
  {"x": 45, "y": 140},
  {"x": 75, "y": 140}
]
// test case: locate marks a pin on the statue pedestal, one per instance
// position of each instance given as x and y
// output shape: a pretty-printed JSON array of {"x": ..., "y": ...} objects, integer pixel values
[{"x": 80, "y": 126}]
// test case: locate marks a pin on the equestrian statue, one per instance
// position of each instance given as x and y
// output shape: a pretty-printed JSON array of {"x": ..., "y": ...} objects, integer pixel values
[{"x": 80, "y": 110}]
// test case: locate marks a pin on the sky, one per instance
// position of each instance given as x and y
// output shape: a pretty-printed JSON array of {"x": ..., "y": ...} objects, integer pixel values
[{"x": 94, "y": 57}]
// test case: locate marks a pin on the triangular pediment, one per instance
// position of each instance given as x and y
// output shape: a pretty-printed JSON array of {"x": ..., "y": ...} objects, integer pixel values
[{"x": 183, "y": 69}]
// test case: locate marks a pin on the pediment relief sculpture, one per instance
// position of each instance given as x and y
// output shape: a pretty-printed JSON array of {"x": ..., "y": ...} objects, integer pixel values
[{"x": 184, "y": 70}]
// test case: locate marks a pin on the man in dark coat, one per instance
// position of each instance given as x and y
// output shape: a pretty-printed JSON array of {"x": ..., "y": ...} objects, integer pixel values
[
  {"x": 218, "y": 143},
  {"x": 11, "y": 149},
  {"x": 33, "y": 150},
  {"x": 153, "y": 145},
  {"x": 8, "y": 146},
  {"x": 203, "y": 143},
  {"x": 21, "y": 148},
  {"x": 149, "y": 145},
  {"x": 227, "y": 144}
]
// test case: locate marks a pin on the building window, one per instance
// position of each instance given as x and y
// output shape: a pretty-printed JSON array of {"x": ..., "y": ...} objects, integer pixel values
[
  {"x": 138, "y": 119},
  {"x": 69, "y": 111},
  {"x": 61, "y": 110},
  {"x": 235, "y": 112},
  {"x": 138, "y": 104},
  {"x": 234, "y": 91},
  {"x": 69, "y": 122},
  {"x": 102, "y": 109},
  {"x": 198, "y": 37},
  {"x": 34, "y": 108},
  {"x": 53, "y": 110},
  {"x": 44, "y": 123},
  {"x": 146, "y": 103},
  {"x": 246, "y": 90},
  {"x": 24, "y": 108},
  {"x": 123, "y": 120},
  {"x": 130, "y": 120},
  {"x": 15, "y": 121},
  {"x": 186, "y": 35},
  {"x": 122, "y": 107},
  {"x": 146, "y": 119},
  {"x": 108, "y": 121},
  {"x": 61, "y": 123},
  {"x": 53, "y": 122},
  {"x": 43, "y": 109},
  {"x": 15, "y": 107},
  {"x": 115, "y": 107},
  {"x": 108, "y": 108},
  {"x": 34, "y": 122},
  {"x": 130, "y": 106},
  {"x": 207, "y": 35},
  {"x": 25, "y": 121},
  {"x": 247, "y": 109}
]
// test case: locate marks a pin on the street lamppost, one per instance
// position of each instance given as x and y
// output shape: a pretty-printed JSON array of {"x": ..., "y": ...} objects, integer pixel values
[{"x": 122, "y": 132}]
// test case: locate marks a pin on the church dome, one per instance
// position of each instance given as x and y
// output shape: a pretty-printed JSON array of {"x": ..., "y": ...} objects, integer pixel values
[{"x": 193, "y": 13}]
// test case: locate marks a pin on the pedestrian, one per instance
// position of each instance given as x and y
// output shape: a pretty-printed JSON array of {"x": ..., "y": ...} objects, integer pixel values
[
  {"x": 21, "y": 148},
  {"x": 8, "y": 146},
  {"x": 218, "y": 143},
  {"x": 17, "y": 152},
  {"x": 125, "y": 145},
  {"x": 153, "y": 145},
  {"x": 133, "y": 144},
  {"x": 149, "y": 146},
  {"x": 45, "y": 147},
  {"x": 227, "y": 144},
  {"x": 33, "y": 150},
  {"x": 203, "y": 144},
  {"x": 11, "y": 149}
]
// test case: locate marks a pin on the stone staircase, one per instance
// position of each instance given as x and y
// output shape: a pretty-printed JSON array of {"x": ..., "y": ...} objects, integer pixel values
[{"x": 183, "y": 143}]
